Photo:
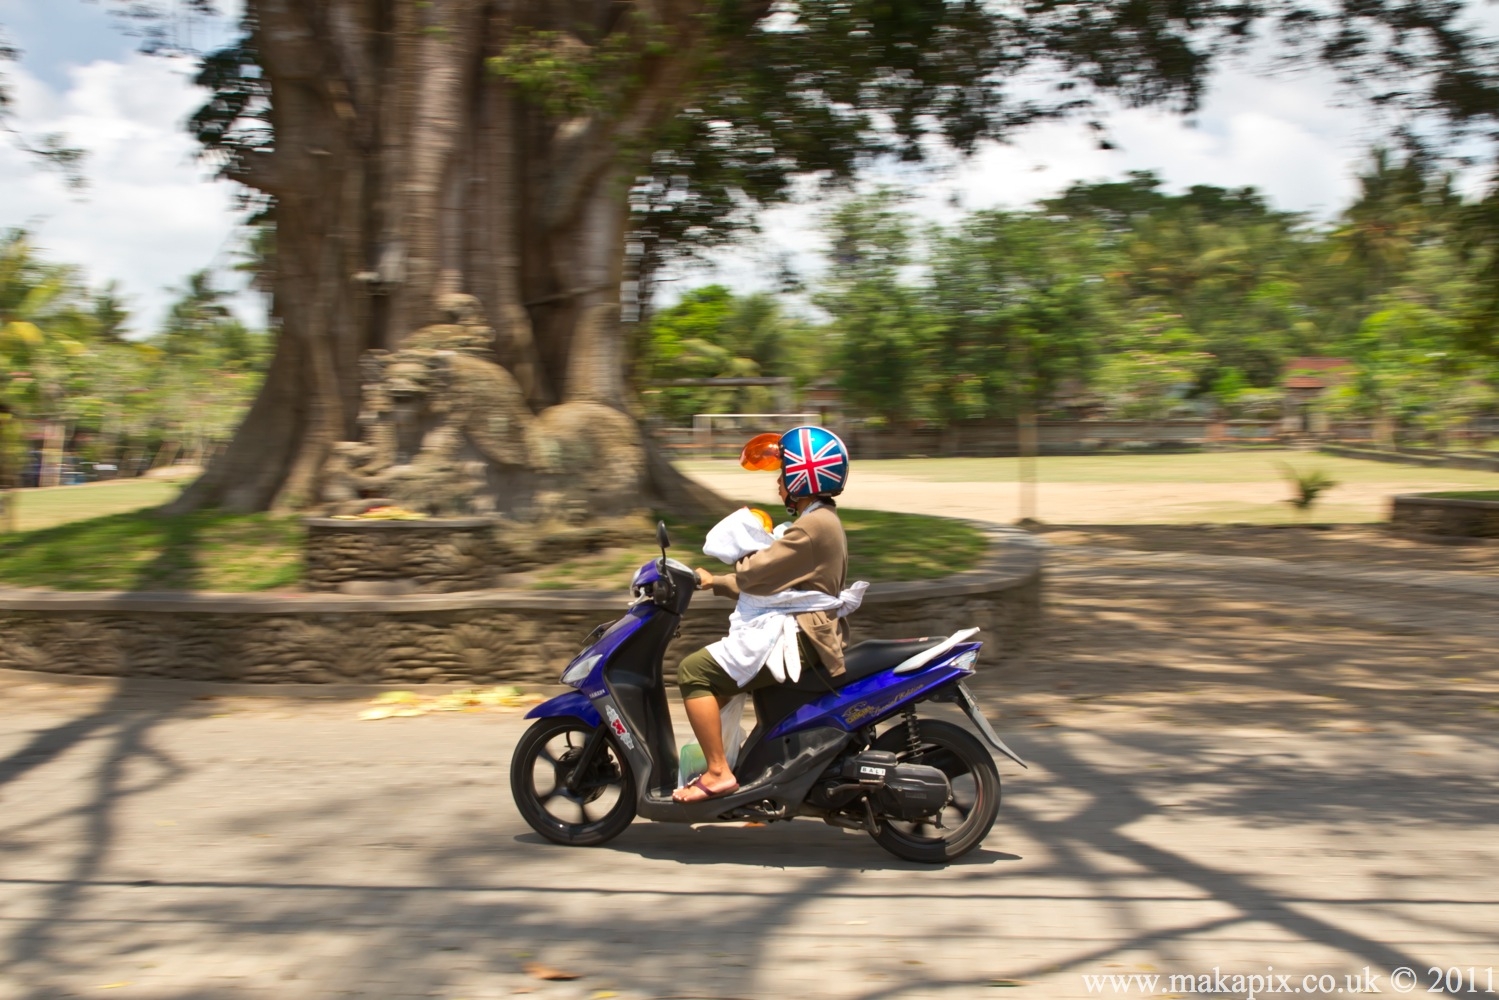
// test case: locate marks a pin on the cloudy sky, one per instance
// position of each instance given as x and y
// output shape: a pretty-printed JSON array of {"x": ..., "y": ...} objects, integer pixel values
[{"x": 152, "y": 213}]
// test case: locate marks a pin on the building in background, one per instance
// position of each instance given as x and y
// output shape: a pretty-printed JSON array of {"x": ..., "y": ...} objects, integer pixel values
[{"x": 1307, "y": 382}]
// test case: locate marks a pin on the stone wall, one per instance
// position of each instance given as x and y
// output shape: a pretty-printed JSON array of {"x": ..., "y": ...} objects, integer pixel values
[
  {"x": 1416, "y": 456},
  {"x": 474, "y": 637},
  {"x": 436, "y": 556},
  {"x": 1447, "y": 517}
]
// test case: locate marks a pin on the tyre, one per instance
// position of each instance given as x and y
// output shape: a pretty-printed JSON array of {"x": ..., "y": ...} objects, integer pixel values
[
  {"x": 965, "y": 821},
  {"x": 545, "y": 759}
]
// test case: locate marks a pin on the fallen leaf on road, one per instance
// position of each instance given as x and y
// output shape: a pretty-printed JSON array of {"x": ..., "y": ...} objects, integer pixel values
[
  {"x": 408, "y": 704},
  {"x": 538, "y": 971}
]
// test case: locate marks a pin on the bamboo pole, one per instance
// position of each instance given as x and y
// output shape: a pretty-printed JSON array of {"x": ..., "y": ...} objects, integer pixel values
[
  {"x": 1027, "y": 442},
  {"x": 54, "y": 439},
  {"x": 9, "y": 496},
  {"x": 1025, "y": 426}
]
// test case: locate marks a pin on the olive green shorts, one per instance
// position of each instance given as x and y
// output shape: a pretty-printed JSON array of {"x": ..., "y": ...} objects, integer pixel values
[{"x": 699, "y": 675}]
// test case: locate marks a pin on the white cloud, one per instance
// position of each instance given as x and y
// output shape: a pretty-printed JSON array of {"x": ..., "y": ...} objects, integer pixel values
[
  {"x": 1283, "y": 134},
  {"x": 151, "y": 213}
]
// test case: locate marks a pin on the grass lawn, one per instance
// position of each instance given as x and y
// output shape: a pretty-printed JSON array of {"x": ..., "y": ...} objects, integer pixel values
[
  {"x": 142, "y": 551},
  {"x": 1468, "y": 495},
  {"x": 882, "y": 546},
  {"x": 62, "y": 504},
  {"x": 212, "y": 551}
]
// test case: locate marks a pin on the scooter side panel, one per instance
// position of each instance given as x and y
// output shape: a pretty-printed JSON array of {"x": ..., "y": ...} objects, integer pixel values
[
  {"x": 605, "y": 647},
  {"x": 873, "y": 698},
  {"x": 787, "y": 785},
  {"x": 574, "y": 703},
  {"x": 632, "y": 684}
]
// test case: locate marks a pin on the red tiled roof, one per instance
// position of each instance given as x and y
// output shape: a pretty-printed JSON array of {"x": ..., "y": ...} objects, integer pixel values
[{"x": 1317, "y": 364}]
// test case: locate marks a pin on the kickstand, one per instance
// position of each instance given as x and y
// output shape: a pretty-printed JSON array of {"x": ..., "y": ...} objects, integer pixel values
[{"x": 869, "y": 821}]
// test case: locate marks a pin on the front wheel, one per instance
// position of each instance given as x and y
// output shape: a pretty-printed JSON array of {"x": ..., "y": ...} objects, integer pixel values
[
  {"x": 966, "y": 819},
  {"x": 600, "y": 805}
]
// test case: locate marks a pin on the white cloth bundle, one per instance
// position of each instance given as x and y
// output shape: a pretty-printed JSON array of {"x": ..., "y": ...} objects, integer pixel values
[
  {"x": 763, "y": 630},
  {"x": 736, "y": 536}
]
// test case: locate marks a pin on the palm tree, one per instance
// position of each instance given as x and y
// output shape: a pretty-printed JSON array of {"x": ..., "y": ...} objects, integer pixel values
[
  {"x": 1400, "y": 204},
  {"x": 41, "y": 325}
]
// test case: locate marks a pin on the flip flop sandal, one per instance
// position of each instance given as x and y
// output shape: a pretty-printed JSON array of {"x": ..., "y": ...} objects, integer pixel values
[{"x": 708, "y": 793}]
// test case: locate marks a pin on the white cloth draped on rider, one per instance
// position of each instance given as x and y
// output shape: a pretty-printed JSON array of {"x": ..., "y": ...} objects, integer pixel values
[{"x": 763, "y": 629}]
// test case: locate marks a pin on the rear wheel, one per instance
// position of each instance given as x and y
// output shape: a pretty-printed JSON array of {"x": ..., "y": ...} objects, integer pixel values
[
  {"x": 966, "y": 819},
  {"x": 600, "y": 805}
]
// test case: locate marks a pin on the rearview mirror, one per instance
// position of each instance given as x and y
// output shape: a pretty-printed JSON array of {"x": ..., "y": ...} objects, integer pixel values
[{"x": 661, "y": 538}]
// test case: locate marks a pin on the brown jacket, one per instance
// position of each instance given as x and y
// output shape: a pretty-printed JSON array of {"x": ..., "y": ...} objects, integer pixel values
[{"x": 813, "y": 555}]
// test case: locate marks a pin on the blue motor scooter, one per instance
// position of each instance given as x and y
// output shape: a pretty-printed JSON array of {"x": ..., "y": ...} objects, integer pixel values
[{"x": 925, "y": 789}]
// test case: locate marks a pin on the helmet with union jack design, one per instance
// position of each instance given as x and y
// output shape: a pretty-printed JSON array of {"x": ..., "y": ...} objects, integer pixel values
[{"x": 813, "y": 461}]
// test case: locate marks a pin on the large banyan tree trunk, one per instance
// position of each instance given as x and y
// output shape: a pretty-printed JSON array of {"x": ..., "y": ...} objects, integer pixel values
[{"x": 404, "y": 167}]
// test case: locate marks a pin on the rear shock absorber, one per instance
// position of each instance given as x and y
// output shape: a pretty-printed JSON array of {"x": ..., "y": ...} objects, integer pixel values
[{"x": 913, "y": 733}]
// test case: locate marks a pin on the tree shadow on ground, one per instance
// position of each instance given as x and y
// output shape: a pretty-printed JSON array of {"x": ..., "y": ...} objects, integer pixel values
[
  {"x": 117, "y": 733},
  {"x": 1191, "y": 649},
  {"x": 474, "y": 902},
  {"x": 104, "y": 553},
  {"x": 1243, "y": 791},
  {"x": 795, "y": 845},
  {"x": 178, "y": 565},
  {"x": 1368, "y": 545}
]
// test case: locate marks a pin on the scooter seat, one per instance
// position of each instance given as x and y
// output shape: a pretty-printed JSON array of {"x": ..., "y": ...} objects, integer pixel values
[{"x": 873, "y": 655}]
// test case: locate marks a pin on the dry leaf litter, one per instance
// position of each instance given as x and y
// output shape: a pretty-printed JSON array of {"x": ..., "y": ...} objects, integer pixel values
[{"x": 408, "y": 704}]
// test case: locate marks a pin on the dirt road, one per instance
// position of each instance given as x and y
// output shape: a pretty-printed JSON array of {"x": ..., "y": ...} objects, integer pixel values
[
  {"x": 1234, "y": 767},
  {"x": 1244, "y": 486}
]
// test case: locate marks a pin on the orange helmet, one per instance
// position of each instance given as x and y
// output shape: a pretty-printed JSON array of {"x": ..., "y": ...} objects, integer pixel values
[{"x": 762, "y": 453}]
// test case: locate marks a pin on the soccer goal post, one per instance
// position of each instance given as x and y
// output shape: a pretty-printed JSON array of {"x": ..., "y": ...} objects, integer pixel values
[{"x": 713, "y": 433}]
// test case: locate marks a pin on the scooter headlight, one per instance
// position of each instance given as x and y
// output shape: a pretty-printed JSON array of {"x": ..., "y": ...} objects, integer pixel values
[{"x": 579, "y": 671}]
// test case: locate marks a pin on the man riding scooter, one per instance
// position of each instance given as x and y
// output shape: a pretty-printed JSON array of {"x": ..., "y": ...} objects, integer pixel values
[{"x": 810, "y": 556}]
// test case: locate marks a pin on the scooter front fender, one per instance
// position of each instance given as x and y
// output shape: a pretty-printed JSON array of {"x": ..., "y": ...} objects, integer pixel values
[{"x": 574, "y": 704}]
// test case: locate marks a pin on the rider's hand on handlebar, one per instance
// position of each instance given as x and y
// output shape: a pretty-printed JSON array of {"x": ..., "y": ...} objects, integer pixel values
[{"x": 704, "y": 579}]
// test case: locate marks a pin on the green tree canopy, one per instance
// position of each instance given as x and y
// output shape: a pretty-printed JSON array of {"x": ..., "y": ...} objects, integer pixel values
[{"x": 712, "y": 333}]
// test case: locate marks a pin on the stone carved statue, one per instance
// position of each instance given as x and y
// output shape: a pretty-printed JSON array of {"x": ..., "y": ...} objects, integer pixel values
[{"x": 446, "y": 431}]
